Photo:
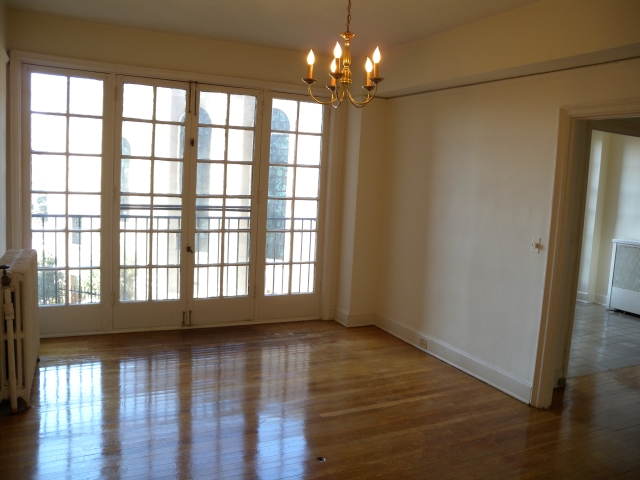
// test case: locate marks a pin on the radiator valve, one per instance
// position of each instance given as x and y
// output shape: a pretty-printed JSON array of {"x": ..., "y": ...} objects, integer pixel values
[{"x": 6, "y": 279}]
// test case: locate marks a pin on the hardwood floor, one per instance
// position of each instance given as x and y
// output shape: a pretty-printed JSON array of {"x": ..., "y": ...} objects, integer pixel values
[
  {"x": 266, "y": 401},
  {"x": 603, "y": 340}
]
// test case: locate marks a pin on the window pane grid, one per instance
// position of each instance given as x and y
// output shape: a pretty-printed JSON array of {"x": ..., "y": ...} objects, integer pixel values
[
  {"x": 66, "y": 114},
  {"x": 152, "y": 153},
  {"x": 65, "y": 220},
  {"x": 155, "y": 122},
  {"x": 224, "y": 184},
  {"x": 293, "y": 191}
]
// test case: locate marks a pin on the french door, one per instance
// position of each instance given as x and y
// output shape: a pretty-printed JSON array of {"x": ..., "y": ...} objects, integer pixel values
[
  {"x": 223, "y": 262},
  {"x": 293, "y": 153},
  {"x": 186, "y": 233},
  {"x": 187, "y": 204},
  {"x": 151, "y": 181},
  {"x": 65, "y": 150}
]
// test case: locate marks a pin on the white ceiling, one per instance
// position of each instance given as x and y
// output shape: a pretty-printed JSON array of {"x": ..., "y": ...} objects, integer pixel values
[{"x": 289, "y": 24}]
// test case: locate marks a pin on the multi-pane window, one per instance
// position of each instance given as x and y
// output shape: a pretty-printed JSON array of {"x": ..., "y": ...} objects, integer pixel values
[
  {"x": 66, "y": 165},
  {"x": 151, "y": 166},
  {"x": 224, "y": 183},
  {"x": 295, "y": 154},
  {"x": 177, "y": 197}
]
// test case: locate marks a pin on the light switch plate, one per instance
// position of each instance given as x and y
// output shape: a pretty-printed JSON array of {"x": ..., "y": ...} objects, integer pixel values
[{"x": 535, "y": 244}]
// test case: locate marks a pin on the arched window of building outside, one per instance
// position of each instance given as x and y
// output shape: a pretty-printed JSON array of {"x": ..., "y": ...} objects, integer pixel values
[{"x": 276, "y": 211}]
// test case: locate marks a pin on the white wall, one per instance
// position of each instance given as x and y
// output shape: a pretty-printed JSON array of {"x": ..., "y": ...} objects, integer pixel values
[
  {"x": 612, "y": 209},
  {"x": 621, "y": 215},
  {"x": 471, "y": 183},
  {"x": 364, "y": 201},
  {"x": 129, "y": 46},
  {"x": 544, "y": 36},
  {"x": 352, "y": 124},
  {"x": 372, "y": 173},
  {"x": 593, "y": 215}
]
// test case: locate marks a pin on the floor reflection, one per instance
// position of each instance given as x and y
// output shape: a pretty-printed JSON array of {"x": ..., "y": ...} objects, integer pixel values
[
  {"x": 218, "y": 414},
  {"x": 602, "y": 340},
  {"x": 149, "y": 404},
  {"x": 281, "y": 427},
  {"x": 223, "y": 410},
  {"x": 71, "y": 420},
  {"x": 264, "y": 402}
]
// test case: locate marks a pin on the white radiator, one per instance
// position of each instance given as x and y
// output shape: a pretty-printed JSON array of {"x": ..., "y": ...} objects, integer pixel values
[
  {"x": 20, "y": 332},
  {"x": 624, "y": 278}
]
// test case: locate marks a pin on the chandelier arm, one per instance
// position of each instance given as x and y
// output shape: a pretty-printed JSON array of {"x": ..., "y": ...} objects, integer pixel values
[
  {"x": 370, "y": 96},
  {"x": 340, "y": 95},
  {"x": 330, "y": 102},
  {"x": 336, "y": 101},
  {"x": 359, "y": 104}
]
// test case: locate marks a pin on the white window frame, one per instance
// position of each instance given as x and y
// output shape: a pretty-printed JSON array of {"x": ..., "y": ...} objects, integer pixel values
[{"x": 18, "y": 181}]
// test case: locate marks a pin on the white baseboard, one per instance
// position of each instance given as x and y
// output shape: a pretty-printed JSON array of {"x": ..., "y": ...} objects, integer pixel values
[
  {"x": 583, "y": 297},
  {"x": 602, "y": 299},
  {"x": 178, "y": 327},
  {"x": 362, "y": 320},
  {"x": 332, "y": 314},
  {"x": 343, "y": 318},
  {"x": 490, "y": 374}
]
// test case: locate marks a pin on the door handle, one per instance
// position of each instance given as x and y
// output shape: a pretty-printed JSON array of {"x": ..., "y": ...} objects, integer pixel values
[{"x": 189, "y": 249}]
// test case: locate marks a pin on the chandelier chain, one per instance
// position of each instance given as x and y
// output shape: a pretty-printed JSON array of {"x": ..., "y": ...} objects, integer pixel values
[{"x": 348, "y": 15}]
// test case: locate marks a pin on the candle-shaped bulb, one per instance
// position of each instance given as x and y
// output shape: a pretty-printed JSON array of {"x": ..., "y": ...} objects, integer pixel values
[
  {"x": 376, "y": 60},
  {"x": 310, "y": 59},
  {"x": 368, "y": 66},
  {"x": 334, "y": 67},
  {"x": 337, "y": 51},
  {"x": 376, "y": 55}
]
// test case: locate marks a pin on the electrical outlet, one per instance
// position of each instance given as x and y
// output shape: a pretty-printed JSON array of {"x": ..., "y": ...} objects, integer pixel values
[{"x": 422, "y": 343}]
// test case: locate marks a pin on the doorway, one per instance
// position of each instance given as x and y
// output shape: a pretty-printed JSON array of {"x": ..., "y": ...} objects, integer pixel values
[
  {"x": 603, "y": 336},
  {"x": 565, "y": 241}
]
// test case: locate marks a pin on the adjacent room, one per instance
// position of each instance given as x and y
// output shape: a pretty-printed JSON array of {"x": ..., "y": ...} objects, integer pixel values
[
  {"x": 337, "y": 239},
  {"x": 606, "y": 331}
]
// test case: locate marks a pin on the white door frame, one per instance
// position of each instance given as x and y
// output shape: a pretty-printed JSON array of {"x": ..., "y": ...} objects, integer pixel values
[{"x": 565, "y": 239}]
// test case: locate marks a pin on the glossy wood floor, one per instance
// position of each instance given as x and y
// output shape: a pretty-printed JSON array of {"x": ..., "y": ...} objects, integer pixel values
[{"x": 266, "y": 401}]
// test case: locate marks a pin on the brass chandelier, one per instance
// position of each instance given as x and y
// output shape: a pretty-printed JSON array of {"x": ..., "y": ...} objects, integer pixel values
[{"x": 341, "y": 71}]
